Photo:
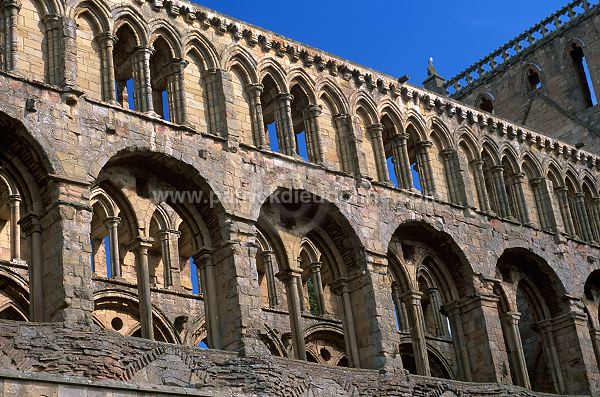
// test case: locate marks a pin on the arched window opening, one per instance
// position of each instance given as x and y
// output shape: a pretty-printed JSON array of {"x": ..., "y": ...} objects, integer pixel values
[
  {"x": 389, "y": 133},
  {"x": 486, "y": 103},
  {"x": 300, "y": 105},
  {"x": 268, "y": 100},
  {"x": 582, "y": 74},
  {"x": 162, "y": 91},
  {"x": 123, "y": 55},
  {"x": 412, "y": 154},
  {"x": 534, "y": 80},
  {"x": 89, "y": 63}
]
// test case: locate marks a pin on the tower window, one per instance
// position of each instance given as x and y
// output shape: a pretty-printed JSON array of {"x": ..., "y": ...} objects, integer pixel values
[
  {"x": 534, "y": 80},
  {"x": 583, "y": 76},
  {"x": 486, "y": 104}
]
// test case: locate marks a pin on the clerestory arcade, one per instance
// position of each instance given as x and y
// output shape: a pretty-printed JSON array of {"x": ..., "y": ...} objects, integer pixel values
[{"x": 188, "y": 200}]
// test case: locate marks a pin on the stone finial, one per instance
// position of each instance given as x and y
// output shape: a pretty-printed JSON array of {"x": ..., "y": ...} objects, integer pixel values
[{"x": 434, "y": 82}]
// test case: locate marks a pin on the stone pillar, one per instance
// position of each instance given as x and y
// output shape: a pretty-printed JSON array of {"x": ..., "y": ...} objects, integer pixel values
[
  {"x": 595, "y": 335},
  {"x": 565, "y": 210},
  {"x": 165, "y": 249},
  {"x": 272, "y": 290},
  {"x": 213, "y": 87},
  {"x": 112, "y": 224},
  {"x": 32, "y": 227},
  {"x": 10, "y": 11},
  {"x": 412, "y": 300},
  {"x": 205, "y": 268},
  {"x": 254, "y": 92},
  {"x": 583, "y": 217},
  {"x": 425, "y": 171},
  {"x": 290, "y": 278},
  {"x": 54, "y": 50},
  {"x": 595, "y": 217},
  {"x": 140, "y": 246},
  {"x": 285, "y": 124},
  {"x": 510, "y": 325},
  {"x": 348, "y": 147},
  {"x": 500, "y": 191},
  {"x": 545, "y": 330},
  {"x": 462, "y": 353},
  {"x": 376, "y": 133},
  {"x": 311, "y": 122},
  {"x": 402, "y": 161},
  {"x": 340, "y": 288},
  {"x": 142, "y": 80},
  {"x": 479, "y": 181},
  {"x": 401, "y": 315},
  {"x": 106, "y": 42},
  {"x": 519, "y": 198},
  {"x": 456, "y": 186},
  {"x": 14, "y": 203},
  {"x": 544, "y": 204},
  {"x": 318, "y": 283},
  {"x": 176, "y": 92},
  {"x": 436, "y": 304}
]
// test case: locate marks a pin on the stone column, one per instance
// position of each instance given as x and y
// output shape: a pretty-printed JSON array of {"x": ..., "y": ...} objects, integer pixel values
[
  {"x": 402, "y": 161},
  {"x": 142, "y": 80},
  {"x": 165, "y": 249},
  {"x": 456, "y": 186},
  {"x": 352, "y": 158},
  {"x": 500, "y": 190},
  {"x": 510, "y": 324},
  {"x": 213, "y": 87},
  {"x": 565, "y": 210},
  {"x": 290, "y": 278},
  {"x": 340, "y": 288},
  {"x": 545, "y": 330},
  {"x": 112, "y": 224},
  {"x": 463, "y": 359},
  {"x": 32, "y": 227},
  {"x": 318, "y": 283},
  {"x": 376, "y": 133},
  {"x": 285, "y": 124},
  {"x": 54, "y": 50},
  {"x": 583, "y": 217},
  {"x": 311, "y": 125},
  {"x": 519, "y": 198},
  {"x": 205, "y": 268},
  {"x": 436, "y": 305},
  {"x": 140, "y": 246},
  {"x": 106, "y": 42},
  {"x": 595, "y": 335},
  {"x": 14, "y": 203},
  {"x": 272, "y": 290},
  {"x": 425, "y": 171},
  {"x": 254, "y": 92},
  {"x": 412, "y": 300},
  {"x": 401, "y": 315},
  {"x": 176, "y": 92},
  {"x": 595, "y": 217},
  {"x": 543, "y": 204},
  {"x": 479, "y": 181},
  {"x": 10, "y": 9}
]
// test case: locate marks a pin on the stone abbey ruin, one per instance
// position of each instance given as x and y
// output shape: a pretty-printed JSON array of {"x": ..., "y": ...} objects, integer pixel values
[{"x": 192, "y": 205}]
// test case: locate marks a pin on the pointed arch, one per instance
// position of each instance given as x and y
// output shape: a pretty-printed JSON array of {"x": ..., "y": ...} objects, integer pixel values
[
  {"x": 97, "y": 12},
  {"x": 270, "y": 67},
  {"x": 159, "y": 28},
  {"x": 200, "y": 45},
  {"x": 128, "y": 16},
  {"x": 237, "y": 56}
]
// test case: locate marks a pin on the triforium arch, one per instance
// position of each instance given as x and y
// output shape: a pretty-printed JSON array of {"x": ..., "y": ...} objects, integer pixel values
[
  {"x": 319, "y": 262},
  {"x": 537, "y": 196},
  {"x": 31, "y": 232},
  {"x": 536, "y": 323},
  {"x": 429, "y": 280},
  {"x": 419, "y": 147},
  {"x": 472, "y": 170},
  {"x": 161, "y": 241},
  {"x": 305, "y": 117}
]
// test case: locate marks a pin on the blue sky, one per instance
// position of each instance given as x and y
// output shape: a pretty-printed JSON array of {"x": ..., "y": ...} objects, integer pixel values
[{"x": 396, "y": 36}]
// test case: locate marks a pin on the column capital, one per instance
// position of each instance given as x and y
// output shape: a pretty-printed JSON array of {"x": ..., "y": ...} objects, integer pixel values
[
  {"x": 538, "y": 181},
  {"x": 313, "y": 111},
  {"x": 15, "y": 4},
  {"x": 316, "y": 266},
  {"x": 401, "y": 137},
  {"x": 497, "y": 168},
  {"x": 518, "y": 178},
  {"x": 254, "y": 89},
  {"x": 284, "y": 97},
  {"x": 424, "y": 144},
  {"x": 31, "y": 224},
  {"x": 167, "y": 233},
  {"x": 580, "y": 195},
  {"x": 545, "y": 326},
  {"x": 202, "y": 254},
  {"x": 339, "y": 286},
  {"x": 149, "y": 51},
  {"x": 52, "y": 21},
  {"x": 13, "y": 200},
  {"x": 412, "y": 297},
  {"x": 449, "y": 151},
  {"x": 289, "y": 276},
  {"x": 376, "y": 130},
  {"x": 112, "y": 221},
  {"x": 106, "y": 38},
  {"x": 141, "y": 243},
  {"x": 177, "y": 66},
  {"x": 512, "y": 317},
  {"x": 342, "y": 116}
]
